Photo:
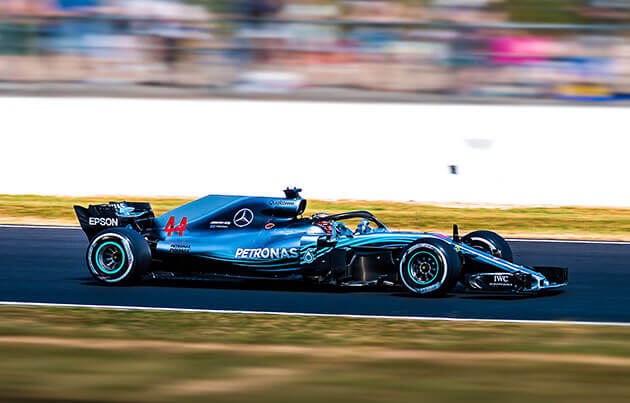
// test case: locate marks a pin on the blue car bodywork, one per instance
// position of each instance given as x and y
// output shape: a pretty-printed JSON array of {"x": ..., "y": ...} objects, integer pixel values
[{"x": 267, "y": 237}]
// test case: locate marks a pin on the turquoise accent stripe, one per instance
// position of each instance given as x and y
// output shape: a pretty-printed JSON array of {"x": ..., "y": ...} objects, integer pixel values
[
  {"x": 409, "y": 268},
  {"x": 385, "y": 239},
  {"x": 497, "y": 262},
  {"x": 251, "y": 263},
  {"x": 104, "y": 270}
]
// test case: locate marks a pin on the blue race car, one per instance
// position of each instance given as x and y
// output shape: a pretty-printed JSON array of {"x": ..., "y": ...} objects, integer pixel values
[{"x": 243, "y": 237}]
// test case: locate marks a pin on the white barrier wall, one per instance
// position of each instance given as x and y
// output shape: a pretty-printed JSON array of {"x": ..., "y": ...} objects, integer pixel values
[{"x": 504, "y": 154}]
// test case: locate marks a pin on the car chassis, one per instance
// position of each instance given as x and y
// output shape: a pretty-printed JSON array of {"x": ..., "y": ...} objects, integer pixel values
[{"x": 242, "y": 237}]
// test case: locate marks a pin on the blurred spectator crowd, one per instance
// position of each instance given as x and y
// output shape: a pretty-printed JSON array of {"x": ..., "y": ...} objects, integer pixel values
[{"x": 577, "y": 49}]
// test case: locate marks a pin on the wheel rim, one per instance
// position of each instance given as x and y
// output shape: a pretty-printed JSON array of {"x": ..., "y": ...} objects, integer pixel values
[
  {"x": 423, "y": 267},
  {"x": 110, "y": 273},
  {"x": 110, "y": 258}
]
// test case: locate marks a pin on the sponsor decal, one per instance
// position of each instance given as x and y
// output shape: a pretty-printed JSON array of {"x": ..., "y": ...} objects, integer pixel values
[
  {"x": 267, "y": 253},
  {"x": 171, "y": 228},
  {"x": 243, "y": 217},
  {"x": 103, "y": 222},
  {"x": 501, "y": 280},
  {"x": 270, "y": 225},
  {"x": 179, "y": 249},
  {"x": 220, "y": 224},
  {"x": 309, "y": 256},
  {"x": 281, "y": 203}
]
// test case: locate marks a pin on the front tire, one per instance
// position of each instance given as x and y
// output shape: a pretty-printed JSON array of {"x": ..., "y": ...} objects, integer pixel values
[
  {"x": 491, "y": 243},
  {"x": 118, "y": 256},
  {"x": 430, "y": 267}
]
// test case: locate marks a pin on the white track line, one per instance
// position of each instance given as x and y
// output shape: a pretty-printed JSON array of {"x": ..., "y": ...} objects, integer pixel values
[
  {"x": 68, "y": 227},
  {"x": 39, "y": 226},
  {"x": 325, "y": 315}
]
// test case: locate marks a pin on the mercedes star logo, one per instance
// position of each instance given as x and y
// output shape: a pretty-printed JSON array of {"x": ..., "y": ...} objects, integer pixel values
[{"x": 243, "y": 217}]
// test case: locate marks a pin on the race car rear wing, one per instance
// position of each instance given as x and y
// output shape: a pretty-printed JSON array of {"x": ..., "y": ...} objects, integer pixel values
[{"x": 97, "y": 217}]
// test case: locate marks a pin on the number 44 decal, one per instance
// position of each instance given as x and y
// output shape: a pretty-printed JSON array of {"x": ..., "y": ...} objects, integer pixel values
[{"x": 170, "y": 227}]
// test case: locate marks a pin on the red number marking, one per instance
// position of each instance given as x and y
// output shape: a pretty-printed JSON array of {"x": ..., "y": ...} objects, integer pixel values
[{"x": 170, "y": 226}]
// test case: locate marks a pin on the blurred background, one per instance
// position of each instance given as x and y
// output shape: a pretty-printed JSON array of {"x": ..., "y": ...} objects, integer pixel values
[
  {"x": 425, "y": 50},
  {"x": 532, "y": 171}
]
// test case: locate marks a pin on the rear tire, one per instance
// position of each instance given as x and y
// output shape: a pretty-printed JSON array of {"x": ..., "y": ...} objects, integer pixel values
[
  {"x": 118, "y": 256},
  {"x": 430, "y": 267}
]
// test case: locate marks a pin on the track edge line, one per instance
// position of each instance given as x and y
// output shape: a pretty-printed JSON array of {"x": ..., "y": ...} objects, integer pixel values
[{"x": 306, "y": 314}]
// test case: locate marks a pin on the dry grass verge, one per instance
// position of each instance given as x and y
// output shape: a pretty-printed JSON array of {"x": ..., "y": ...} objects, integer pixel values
[{"x": 63, "y": 354}]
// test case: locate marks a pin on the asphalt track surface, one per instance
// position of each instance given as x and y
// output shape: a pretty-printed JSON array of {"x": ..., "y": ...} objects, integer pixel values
[{"x": 47, "y": 266}]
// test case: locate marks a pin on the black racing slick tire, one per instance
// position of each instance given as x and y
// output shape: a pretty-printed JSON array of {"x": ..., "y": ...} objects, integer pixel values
[
  {"x": 491, "y": 243},
  {"x": 118, "y": 256},
  {"x": 430, "y": 267}
]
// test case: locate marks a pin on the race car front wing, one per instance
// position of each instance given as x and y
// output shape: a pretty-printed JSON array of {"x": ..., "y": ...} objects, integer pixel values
[{"x": 533, "y": 281}]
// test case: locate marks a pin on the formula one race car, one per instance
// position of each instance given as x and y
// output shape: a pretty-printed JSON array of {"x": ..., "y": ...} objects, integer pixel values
[{"x": 244, "y": 237}]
